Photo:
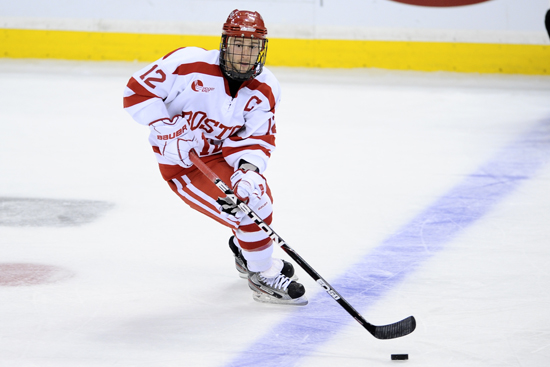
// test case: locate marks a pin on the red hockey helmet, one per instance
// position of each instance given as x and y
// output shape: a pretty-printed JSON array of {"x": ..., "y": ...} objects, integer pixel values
[
  {"x": 243, "y": 47},
  {"x": 244, "y": 23}
]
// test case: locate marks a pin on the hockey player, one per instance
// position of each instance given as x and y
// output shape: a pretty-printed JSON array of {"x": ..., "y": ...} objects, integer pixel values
[{"x": 221, "y": 104}]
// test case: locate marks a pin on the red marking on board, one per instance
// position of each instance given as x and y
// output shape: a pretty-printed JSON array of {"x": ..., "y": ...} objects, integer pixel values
[{"x": 440, "y": 3}]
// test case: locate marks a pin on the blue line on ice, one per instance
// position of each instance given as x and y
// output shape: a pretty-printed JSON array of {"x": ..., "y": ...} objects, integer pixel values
[{"x": 384, "y": 267}]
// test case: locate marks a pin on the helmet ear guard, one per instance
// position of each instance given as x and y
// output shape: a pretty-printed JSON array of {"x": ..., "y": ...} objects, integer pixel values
[{"x": 243, "y": 24}]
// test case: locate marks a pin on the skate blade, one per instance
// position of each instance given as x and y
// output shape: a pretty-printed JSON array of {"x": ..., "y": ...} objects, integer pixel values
[
  {"x": 245, "y": 276},
  {"x": 266, "y": 298}
]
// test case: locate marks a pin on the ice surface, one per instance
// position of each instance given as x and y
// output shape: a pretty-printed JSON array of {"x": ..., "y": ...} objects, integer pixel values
[
  {"x": 36, "y": 212},
  {"x": 422, "y": 194}
]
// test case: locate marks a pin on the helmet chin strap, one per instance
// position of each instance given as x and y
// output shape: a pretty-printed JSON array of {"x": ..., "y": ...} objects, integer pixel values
[{"x": 235, "y": 74}]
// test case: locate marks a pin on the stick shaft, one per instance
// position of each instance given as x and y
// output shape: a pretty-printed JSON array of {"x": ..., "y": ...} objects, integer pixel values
[{"x": 374, "y": 330}]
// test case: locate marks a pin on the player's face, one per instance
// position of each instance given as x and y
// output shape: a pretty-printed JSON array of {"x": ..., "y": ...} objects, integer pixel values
[{"x": 242, "y": 53}]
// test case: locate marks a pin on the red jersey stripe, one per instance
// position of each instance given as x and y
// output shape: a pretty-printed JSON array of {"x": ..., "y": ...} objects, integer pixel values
[
  {"x": 170, "y": 172},
  {"x": 199, "y": 208},
  {"x": 141, "y": 94},
  {"x": 254, "y": 227},
  {"x": 199, "y": 67}
]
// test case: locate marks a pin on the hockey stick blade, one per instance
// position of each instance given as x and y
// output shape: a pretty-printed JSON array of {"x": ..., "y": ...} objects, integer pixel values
[
  {"x": 391, "y": 331},
  {"x": 395, "y": 330}
]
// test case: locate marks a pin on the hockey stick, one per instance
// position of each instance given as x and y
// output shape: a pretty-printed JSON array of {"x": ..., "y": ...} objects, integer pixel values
[{"x": 391, "y": 331}]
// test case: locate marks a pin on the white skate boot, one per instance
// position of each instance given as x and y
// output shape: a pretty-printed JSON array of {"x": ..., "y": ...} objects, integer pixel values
[{"x": 272, "y": 286}]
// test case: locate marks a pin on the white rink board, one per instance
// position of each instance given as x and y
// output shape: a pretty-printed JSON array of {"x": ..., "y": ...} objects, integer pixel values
[{"x": 495, "y": 21}]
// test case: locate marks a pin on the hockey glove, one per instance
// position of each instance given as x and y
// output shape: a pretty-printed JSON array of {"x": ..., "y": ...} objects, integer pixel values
[
  {"x": 248, "y": 185},
  {"x": 175, "y": 139}
]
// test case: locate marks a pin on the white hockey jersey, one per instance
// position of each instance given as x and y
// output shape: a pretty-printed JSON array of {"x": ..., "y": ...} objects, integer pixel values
[{"x": 189, "y": 82}]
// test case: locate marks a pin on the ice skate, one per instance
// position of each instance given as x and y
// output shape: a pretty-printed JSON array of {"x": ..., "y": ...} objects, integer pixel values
[
  {"x": 240, "y": 263},
  {"x": 272, "y": 286}
]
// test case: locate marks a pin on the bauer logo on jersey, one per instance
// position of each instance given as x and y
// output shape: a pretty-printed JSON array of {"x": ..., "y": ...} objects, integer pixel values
[{"x": 198, "y": 86}]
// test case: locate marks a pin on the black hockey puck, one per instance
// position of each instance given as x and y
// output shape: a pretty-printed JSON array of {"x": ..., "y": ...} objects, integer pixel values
[{"x": 399, "y": 357}]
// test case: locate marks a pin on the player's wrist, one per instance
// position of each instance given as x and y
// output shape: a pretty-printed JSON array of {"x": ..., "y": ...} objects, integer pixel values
[{"x": 247, "y": 166}]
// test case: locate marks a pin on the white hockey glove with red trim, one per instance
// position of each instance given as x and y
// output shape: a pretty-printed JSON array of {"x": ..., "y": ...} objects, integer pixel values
[
  {"x": 248, "y": 184},
  {"x": 175, "y": 139}
]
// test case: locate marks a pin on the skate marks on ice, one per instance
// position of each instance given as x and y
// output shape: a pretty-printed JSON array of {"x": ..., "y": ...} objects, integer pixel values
[
  {"x": 25, "y": 274},
  {"x": 401, "y": 253},
  {"x": 37, "y": 212}
]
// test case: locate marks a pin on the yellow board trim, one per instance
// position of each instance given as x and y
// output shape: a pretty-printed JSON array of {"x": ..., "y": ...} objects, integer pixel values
[{"x": 397, "y": 55}]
